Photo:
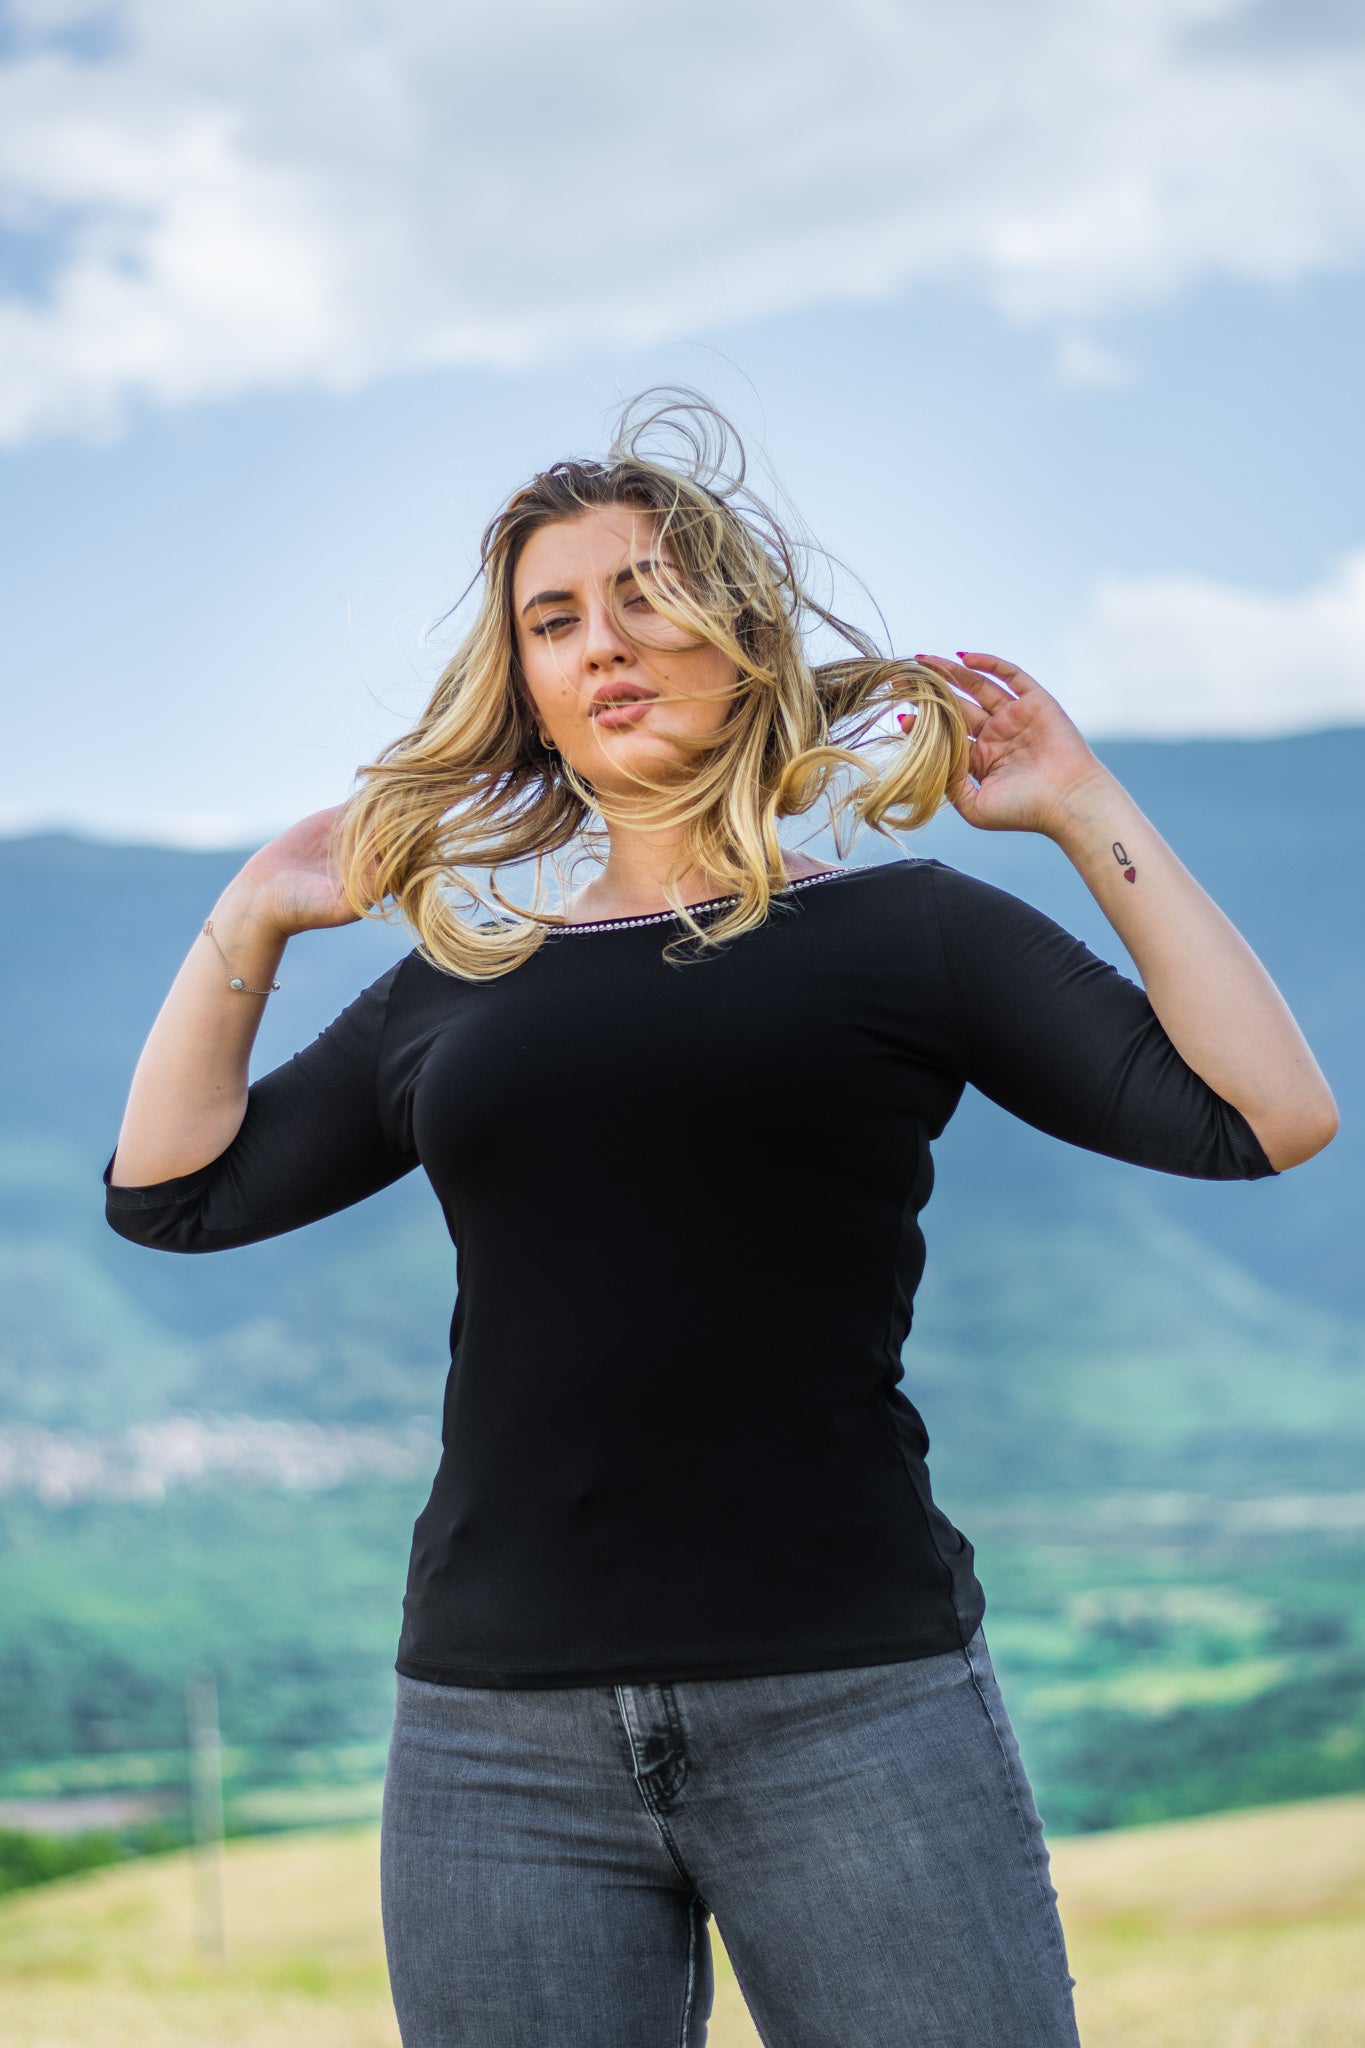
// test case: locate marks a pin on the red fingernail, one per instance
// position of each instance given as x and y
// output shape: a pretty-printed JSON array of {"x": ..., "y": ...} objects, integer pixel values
[{"x": 960, "y": 655}]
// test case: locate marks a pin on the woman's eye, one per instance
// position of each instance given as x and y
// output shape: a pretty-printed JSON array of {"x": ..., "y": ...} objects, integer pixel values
[{"x": 549, "y": 625}]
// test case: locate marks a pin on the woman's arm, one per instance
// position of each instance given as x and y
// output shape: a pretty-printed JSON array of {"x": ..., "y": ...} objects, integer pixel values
[
  {"x": 189, "y": 1089},
  {"x": 1032, "y": 771}
]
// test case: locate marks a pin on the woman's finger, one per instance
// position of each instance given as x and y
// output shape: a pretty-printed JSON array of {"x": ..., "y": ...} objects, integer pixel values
[
  {"x": 962, "y": 794},
  {"x": 1019, "y": 679},
  {"x": 972, "y": 686}
]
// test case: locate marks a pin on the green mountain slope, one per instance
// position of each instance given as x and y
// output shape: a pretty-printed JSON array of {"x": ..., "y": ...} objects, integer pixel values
[
  {"x": 1116, "y": 1350},
  {"x": 1143, "y": 1393},
  {"x": 1251, "y": 1293}
]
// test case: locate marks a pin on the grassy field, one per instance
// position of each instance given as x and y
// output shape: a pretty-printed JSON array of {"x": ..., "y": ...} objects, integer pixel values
[{"x": 1245, "y": 1930}]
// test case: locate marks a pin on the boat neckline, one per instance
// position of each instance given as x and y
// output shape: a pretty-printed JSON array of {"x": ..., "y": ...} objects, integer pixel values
[{"x": 605, "y": 924}]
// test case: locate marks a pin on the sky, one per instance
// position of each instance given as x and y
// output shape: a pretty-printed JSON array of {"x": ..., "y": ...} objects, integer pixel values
[{"x": 1046, "y": 315}]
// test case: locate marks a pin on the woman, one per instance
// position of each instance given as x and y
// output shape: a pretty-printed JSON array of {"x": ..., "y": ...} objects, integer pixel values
[{"x": 684, "y": 1629}]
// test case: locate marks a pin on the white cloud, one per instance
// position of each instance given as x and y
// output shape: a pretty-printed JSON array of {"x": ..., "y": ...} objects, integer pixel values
[
  {"x": 1086, "y": 364},
  {"x": 1173, "y": 657},
  {"x": 238, "y": 195}
]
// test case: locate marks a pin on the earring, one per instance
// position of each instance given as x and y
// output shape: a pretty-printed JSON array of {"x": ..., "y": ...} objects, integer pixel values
[{"x": 548, "y": 745}]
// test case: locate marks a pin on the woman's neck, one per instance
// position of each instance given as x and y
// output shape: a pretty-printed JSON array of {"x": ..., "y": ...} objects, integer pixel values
[{"x": 631, "y": 883}]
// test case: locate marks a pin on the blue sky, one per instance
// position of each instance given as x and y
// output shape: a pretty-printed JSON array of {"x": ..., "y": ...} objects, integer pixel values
[{"x": 1048, "y": 318}]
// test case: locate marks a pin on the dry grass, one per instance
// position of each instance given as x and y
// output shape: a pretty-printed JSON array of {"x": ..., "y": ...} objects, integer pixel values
[
  {"x": 1240, "y": 1931},
  {"x": 1246, "y": 1930}
]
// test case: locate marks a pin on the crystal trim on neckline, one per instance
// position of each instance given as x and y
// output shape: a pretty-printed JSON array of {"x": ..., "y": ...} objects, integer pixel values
[{"x": 607, "y": 924}]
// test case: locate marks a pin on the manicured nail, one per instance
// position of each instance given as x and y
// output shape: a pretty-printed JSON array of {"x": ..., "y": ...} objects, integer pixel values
[{"x": 960, "y": 655}]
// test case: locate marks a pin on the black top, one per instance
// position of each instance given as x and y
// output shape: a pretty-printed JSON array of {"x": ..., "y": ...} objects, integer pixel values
[{"x": 685, "y": 1203}]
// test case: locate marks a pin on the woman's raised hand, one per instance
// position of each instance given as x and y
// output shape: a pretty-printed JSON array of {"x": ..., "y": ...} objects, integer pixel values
[
  {"x": 1027, "y": 761},
  {"x": 190, "y": 1087},
  {"x": 292, "y": 884}
]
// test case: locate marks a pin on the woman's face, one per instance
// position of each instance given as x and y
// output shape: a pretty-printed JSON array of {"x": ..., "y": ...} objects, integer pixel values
[{"x": 611, "y": 702}]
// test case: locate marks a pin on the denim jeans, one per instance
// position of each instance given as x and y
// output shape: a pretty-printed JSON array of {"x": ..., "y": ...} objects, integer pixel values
[{"x": 866, "y": 1839}]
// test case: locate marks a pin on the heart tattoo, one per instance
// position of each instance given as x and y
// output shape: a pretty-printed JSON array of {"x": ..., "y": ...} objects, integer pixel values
[{"x": 1120, "y": 855}]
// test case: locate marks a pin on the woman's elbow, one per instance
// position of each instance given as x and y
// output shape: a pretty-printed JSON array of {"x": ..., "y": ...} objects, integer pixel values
[
  {"x": 1289, "y": 1141},
  {"x": 152, "y": 1232}
]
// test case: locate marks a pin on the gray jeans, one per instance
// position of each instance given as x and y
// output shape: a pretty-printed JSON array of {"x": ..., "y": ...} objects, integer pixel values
[{"x": 866, "y": 1839}]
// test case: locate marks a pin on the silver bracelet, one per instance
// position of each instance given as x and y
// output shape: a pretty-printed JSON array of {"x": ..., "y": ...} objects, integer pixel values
[{"x": 235, "y": 980}]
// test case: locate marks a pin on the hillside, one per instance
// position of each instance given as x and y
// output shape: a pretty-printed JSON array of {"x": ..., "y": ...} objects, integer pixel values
[
  {"x": 1149, "y": 1422},
  {"x": 1256, "y": 1287},
  {"x": 1244, "y": 1931}
]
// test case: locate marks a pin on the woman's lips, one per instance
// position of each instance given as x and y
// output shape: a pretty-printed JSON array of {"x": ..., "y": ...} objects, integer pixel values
[{"x": 628, "y": 711}]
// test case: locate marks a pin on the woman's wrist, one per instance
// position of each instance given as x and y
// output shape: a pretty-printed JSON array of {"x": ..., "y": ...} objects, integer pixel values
[
  {"x": 1093, "y": 817},
  {"x": 246, "y": 930}
]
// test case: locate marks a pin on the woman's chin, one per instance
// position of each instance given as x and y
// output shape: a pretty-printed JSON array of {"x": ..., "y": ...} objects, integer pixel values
[{"x": 617, "y": 760}]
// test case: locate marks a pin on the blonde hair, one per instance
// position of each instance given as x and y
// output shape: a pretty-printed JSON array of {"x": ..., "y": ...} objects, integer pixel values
[{"x": 471, "y": 787}]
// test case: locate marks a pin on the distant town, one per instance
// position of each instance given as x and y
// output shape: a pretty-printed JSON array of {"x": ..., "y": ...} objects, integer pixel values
[{"x": 151, "y": 1459}]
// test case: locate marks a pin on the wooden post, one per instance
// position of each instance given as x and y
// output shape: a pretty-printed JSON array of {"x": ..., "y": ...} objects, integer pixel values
[{"x": 206, "y": 1808}]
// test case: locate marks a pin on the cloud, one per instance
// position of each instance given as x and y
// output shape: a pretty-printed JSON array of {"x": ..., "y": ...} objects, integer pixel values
[
  {"x": 1088, "y": 365},
  {"x": 1175, "y": 657},
  {"x": 238, "y": 196}
]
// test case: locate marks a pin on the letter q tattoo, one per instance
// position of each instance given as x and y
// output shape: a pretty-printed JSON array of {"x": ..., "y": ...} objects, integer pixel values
[{"x": 1129, "y": 871}]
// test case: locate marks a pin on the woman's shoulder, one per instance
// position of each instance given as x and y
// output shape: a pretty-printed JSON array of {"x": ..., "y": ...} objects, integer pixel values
[
  {"x": 925, "y": 873},
  {"x": 872, "y": 900},
  {"x": 926, "y": 891},
  {"x": 899, "y": 872}
]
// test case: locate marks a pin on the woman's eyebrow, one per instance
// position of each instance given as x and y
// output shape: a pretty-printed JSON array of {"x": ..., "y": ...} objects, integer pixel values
[{"x": 626, "y": 575}]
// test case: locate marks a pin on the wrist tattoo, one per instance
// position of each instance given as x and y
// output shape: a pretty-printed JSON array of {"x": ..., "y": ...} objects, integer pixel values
[{"x": 1129, "y": 871}]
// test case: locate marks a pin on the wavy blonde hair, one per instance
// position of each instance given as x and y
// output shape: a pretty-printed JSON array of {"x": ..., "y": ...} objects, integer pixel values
[{"x": 471, "y": 788}]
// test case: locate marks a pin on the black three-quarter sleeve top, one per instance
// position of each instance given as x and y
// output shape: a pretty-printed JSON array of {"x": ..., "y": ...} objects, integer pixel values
[{"x": 685, "y": 1201}]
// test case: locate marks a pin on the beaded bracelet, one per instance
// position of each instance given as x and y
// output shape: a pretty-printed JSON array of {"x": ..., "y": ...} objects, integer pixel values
[{"x": 235, "y": 980}]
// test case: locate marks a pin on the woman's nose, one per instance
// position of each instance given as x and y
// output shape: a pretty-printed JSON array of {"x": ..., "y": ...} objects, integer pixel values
[{"x": 605, "y": 645}]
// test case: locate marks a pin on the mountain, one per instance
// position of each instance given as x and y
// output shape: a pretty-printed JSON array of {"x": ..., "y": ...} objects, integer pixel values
[
  {"x": 1128, "y": 1316},
  {"x": 1143, "y": 1392}
]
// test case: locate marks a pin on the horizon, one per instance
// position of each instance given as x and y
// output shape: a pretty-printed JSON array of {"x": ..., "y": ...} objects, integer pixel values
[{"x": 136, "y": 835}]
